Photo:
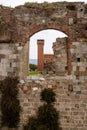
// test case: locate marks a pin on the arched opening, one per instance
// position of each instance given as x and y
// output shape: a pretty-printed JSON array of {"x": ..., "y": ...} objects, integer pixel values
[{"x": 49, "y": 37}]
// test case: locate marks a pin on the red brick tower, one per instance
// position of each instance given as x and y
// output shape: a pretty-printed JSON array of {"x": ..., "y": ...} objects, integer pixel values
[{"x": 40, "y": 44}]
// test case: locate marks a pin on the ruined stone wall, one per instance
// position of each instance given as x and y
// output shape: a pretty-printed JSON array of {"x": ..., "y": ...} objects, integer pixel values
[
  {"x": 23, "y": 60},
  {"x": 13, "y": 58},
  {"x": 79, "y": 60},
  {"x": 8, "y": 60},
  {"x": 20, "y": 23},
  {"x": 71, "y": 90},
  {"x": 70, "y": 100},
  {"x": 60, "y": 56}
]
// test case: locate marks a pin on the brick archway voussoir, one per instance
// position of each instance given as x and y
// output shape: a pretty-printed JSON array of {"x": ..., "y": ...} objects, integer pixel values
[{"x": 36, "y": 28}]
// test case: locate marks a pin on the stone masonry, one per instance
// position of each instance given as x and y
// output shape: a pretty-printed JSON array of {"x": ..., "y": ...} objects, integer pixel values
[
  {"x": 71, "y": 90},
  {"x": 60, "y": 56},
  {"x": 11, "y": 59},
  {"x": 17, "y": 27},
  {"x": 69, "y": 82}
]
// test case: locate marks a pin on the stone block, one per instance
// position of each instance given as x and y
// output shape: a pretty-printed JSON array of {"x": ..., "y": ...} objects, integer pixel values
[
  {"x": 74, "y": 68},
  {"x": 4, "y": 73},
  {"x": 14, "y": 64},
  {"x": 13, "y": 56}
]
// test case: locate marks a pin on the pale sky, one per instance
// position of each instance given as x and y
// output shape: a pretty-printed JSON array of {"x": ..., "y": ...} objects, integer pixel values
[
  {"x": 48, "y": 35},
  {"x": 14, "y": 3}
]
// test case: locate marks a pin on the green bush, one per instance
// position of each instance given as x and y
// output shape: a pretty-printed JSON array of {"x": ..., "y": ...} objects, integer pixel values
[
  {"x": 48, "y": 96},
  {"x": 32, "y": 124},
  {"x": 33, "y": 67},
  {"x": 10, "y": 105},
  {"x": 47, "y": 116}
]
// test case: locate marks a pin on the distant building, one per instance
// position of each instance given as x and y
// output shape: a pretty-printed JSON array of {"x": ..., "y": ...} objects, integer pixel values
[
  {"x": 44, "y": 60},
  {"x": 48, "y": 58},
  {"x": 48, "y": 61}
]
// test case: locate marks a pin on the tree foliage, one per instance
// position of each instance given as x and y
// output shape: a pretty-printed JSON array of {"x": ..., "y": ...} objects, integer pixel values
[
  {"x": 10, "y": 105},
  {"x": 48, "y": 96},
  {"x": 33, "y": 67},
  {"x": 47, "y": 116},
  {"x": 32, "y": 124}
]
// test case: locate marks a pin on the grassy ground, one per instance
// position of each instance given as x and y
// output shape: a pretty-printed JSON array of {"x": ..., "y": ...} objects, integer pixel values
[{"x": 34, "y": 73}]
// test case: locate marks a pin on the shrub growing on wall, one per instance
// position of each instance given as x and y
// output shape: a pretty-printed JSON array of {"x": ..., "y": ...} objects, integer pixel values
[
  {"x": 47, "y": 116},
  {"x": 10, "y": 105},
  {"x": 48, "y": 96}
]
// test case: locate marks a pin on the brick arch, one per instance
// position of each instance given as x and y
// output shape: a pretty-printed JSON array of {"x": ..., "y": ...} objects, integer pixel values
[{"x": 53, "y": 26}]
